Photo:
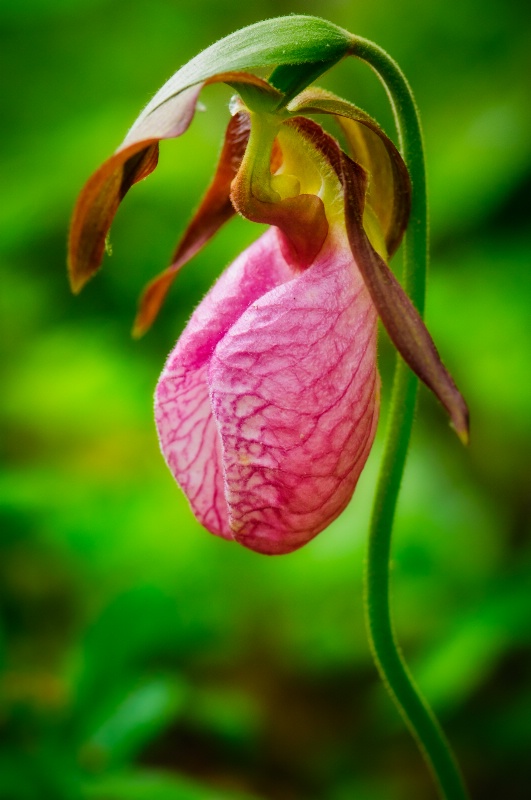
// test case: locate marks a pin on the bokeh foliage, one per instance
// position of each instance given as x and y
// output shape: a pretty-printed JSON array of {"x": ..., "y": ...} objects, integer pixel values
[{"x": 142, "y": 658}]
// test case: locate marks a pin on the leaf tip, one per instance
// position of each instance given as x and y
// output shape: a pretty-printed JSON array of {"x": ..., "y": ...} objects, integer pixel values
[
  {"x": 76, "y": 280},
  {"x": 460, "y": 422},
  {"x": 140, "y": 327}
]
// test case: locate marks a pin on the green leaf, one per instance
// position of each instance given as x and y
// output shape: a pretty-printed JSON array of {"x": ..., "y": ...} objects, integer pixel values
[
  {"x": 142, "y": 714},
  {"x": 283, "y": 40}
]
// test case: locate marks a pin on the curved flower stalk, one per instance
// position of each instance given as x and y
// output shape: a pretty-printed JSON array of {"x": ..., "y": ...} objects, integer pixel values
[{"x": 267, "y": 406}]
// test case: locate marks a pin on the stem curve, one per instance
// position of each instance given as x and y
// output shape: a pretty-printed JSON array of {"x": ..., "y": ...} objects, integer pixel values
[{"x": 392, "y": 668}]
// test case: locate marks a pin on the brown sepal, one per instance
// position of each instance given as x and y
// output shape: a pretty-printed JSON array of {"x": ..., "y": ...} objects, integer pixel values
[
  {"x": 97, "y": 205},
  {"x": 135, "y": 159},
  {"x": 402, "y": 321},
  {"x": 389, "y": 187},
  {"x": 399, "y": 316},
  {"x": 215, "y": 209}
]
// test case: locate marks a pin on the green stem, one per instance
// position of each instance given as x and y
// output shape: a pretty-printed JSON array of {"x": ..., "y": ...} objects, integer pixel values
[{"x": 393, "y": 670}]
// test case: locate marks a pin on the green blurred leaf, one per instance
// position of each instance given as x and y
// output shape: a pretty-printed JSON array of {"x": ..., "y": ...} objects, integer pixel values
[
  {"x": 141, "y": 714},
  {"x": 468, "y": 653},
  {"x": 229, "y": 714},
  {"x": 136, "y": 628},
  {"x": 31, "y": 773},
  {"x": 145, "y": 785},
  {"x": 479, "y": 160}
]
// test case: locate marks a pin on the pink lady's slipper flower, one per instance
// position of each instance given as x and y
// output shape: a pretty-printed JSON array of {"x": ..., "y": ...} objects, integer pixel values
[{"x": 267, "y": 406}]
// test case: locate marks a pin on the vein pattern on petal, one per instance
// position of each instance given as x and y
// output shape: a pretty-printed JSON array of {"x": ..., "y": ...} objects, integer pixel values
[
  {"x": 187, "y": 430},
  {"x": 294, "y": 389}
]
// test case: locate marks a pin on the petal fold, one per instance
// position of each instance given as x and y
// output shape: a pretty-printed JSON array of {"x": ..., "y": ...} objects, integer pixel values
[
  {"x": 186, "y": 426},
  {"x": 295, "y": 390},
  {"x": 301, "y": 220}
]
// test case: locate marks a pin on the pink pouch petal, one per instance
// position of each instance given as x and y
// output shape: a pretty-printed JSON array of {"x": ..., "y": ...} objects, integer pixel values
[
  {"x": 295, "y": 392},
  {"x": 187, "y": 430}
]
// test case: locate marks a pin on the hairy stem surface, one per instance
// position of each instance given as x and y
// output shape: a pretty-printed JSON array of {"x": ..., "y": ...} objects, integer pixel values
[{"x": 391, "y": 666}]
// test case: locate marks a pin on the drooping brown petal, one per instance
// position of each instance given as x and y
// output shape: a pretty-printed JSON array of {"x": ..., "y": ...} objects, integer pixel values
[
  {"x": 134, "y": 160},
  {"x": 399, "y": 316},
  {"x": 389, "y": 189},
  {"x": 97, "y": 205},
  {"x": 215, "y": 209},
  {"x": 98, "y": 202}
]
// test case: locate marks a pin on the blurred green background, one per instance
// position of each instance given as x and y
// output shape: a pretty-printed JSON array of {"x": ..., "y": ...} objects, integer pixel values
[{"x": 142, "y": 658}]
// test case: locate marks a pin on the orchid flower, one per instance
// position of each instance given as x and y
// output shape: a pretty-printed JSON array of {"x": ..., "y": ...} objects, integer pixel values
[{"x": 268, "y": 404}]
